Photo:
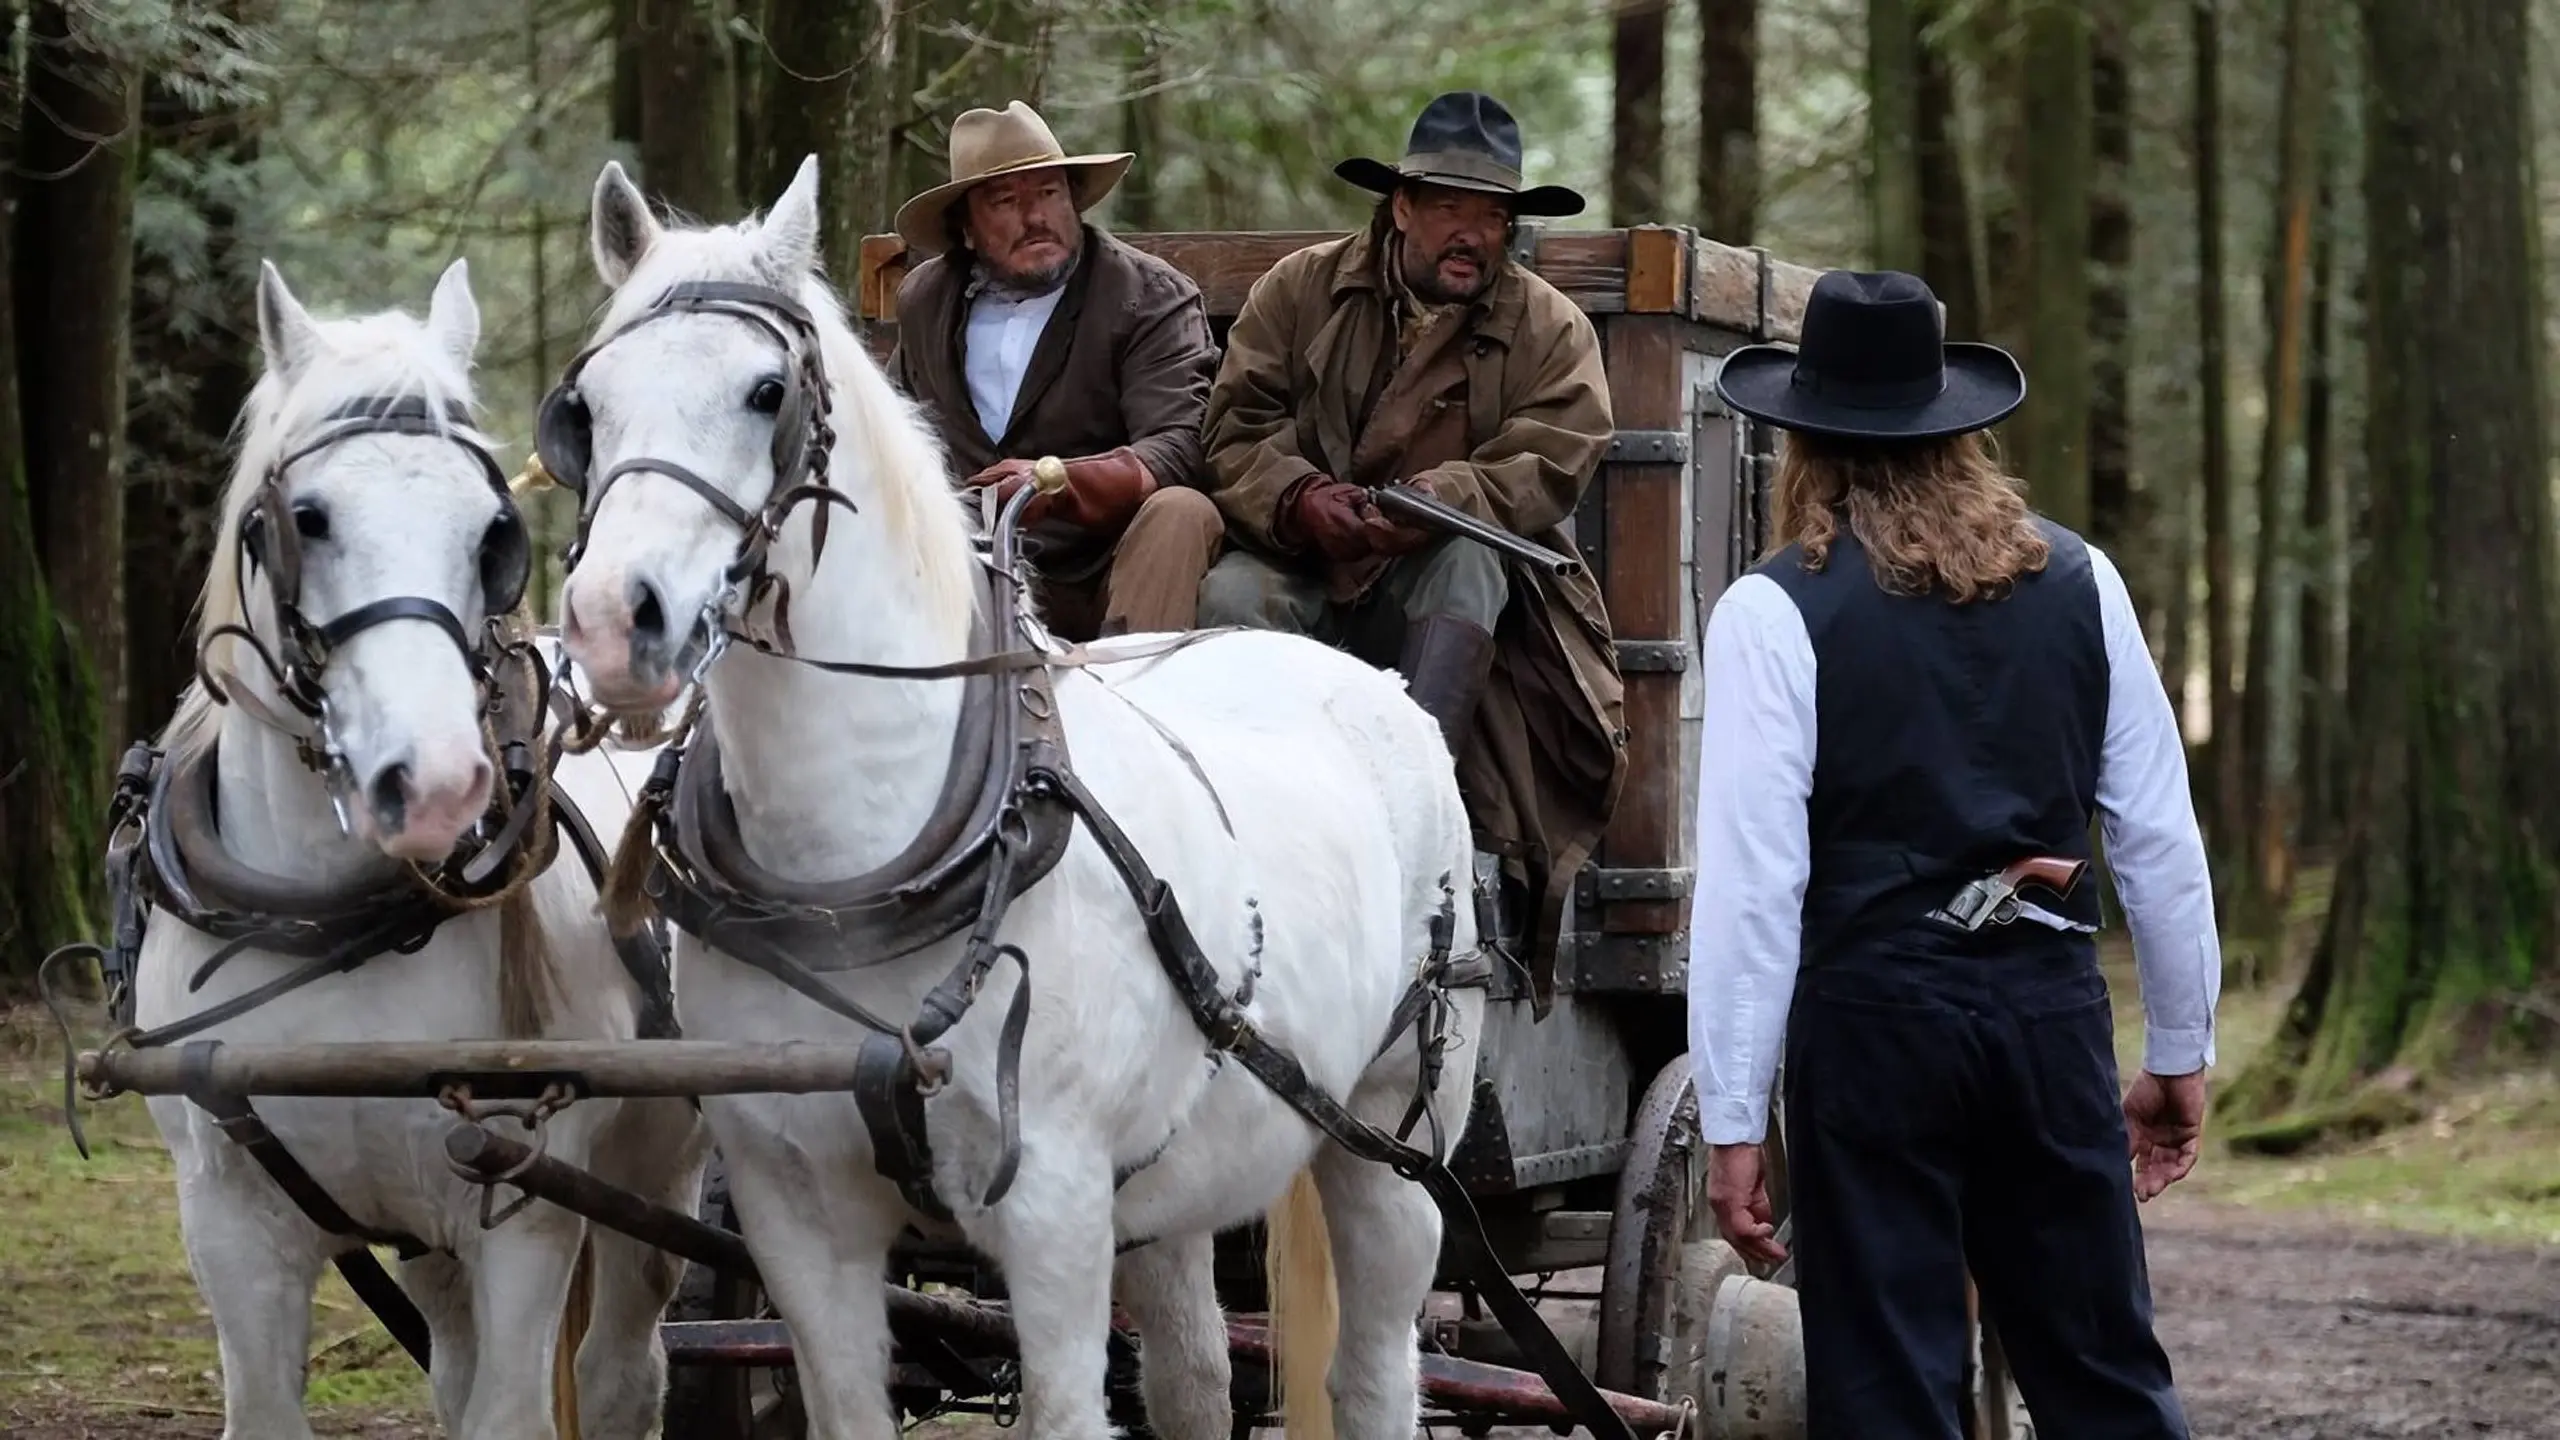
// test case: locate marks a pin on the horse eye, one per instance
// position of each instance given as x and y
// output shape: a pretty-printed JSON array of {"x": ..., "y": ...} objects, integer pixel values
[
  {"x": 310, "y": 521},
  {"x": 766, "y": 399}
]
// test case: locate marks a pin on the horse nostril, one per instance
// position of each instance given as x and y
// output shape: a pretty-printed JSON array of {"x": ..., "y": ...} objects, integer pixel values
[
  {"x": 648, "y": 617},
  {"x": 391, "y": 798}
]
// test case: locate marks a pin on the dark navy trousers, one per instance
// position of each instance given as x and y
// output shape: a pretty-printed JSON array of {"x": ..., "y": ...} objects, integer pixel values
[{"x": 1948, "y": 1110}]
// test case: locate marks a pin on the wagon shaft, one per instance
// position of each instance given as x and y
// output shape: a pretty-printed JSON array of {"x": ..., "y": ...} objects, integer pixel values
[
  {"x": 494, "y": 1070},
  {"x": 1471, "y": 1387}
]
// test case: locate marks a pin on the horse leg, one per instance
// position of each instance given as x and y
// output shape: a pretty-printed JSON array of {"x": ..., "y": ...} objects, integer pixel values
[
  {"x": 1170, "y": 1289},
  {"x": 1052, "y": 1239},
  {"x": 519, "y": 1290},
  {"x": 820, "y": 1225},
  {"x": 654, "y": 1149},
  {"x": 257, "y": 1262},
  {"x": 441, "y": 1289},
  {"x": 1385, "y": 1234}
]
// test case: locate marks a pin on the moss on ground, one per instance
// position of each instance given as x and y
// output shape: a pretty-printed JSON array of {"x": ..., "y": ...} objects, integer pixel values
[{"x": 96, "y": 1301}]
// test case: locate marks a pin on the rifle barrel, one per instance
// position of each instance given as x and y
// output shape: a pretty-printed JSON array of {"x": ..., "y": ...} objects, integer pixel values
[{"x": 1415, "y": 508}]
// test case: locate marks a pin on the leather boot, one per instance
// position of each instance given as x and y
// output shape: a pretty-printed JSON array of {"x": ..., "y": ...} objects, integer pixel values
[{"x": 1446, "y": 662}]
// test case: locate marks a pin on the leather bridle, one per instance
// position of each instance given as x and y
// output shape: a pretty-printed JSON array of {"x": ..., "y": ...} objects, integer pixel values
[{"x": 269, "y": 541}]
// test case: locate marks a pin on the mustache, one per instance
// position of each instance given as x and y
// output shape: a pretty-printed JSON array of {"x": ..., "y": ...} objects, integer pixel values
[{"x": 1477, "y": 254}]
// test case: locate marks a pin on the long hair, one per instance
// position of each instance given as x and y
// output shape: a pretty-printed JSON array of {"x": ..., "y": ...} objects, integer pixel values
[{"x": 1936, "y": 516}]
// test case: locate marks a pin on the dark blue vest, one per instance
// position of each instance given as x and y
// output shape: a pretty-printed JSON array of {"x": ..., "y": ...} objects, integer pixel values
[{"x": 1951, "y": 740}]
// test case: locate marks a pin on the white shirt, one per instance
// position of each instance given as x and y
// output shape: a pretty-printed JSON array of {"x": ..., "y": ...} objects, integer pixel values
[
  {"x": 1755, "y": 775},
  {"x": 1003, "y": 329}
]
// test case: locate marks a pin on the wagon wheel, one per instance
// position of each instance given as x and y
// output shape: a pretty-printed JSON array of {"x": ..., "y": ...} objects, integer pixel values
[{"x": 725, "y": 1402}]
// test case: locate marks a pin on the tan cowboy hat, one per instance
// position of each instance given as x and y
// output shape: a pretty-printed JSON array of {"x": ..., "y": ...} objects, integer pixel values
[{"x": 987, "y": 143}]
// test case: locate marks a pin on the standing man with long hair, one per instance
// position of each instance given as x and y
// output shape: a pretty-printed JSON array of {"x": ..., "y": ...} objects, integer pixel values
[{"x": 1915, "y": 708}]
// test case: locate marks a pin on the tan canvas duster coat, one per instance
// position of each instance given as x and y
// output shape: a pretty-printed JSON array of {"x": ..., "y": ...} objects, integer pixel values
[{"x": 1548, "y": 754}]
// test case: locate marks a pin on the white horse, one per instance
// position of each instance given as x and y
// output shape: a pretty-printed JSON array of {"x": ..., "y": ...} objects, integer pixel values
[
  {"x": 376, "y": 516},
  {"x": 1346, "y": 827}
]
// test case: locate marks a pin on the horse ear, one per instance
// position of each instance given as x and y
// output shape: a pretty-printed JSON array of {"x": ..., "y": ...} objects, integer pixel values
[
  {"x": 453, "y": 317},
  {"x": 620, "y": 229},
  {"x": 789, "y": 235},
  {"x": 286, "y": 332}
]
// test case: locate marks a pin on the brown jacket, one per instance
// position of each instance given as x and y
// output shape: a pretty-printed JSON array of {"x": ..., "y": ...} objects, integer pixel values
[
  {"x": 1548, "y": 756},
  {"x": 1125, "y": 359}
]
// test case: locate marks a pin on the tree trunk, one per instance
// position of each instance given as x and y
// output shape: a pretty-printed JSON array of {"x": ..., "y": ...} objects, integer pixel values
[
  {"x": 2270, "y": 701},
  {"x": 2222, "y": 695},
  {"x": 1895, "y": 237},
  {"x": 2057, "y": 116},
  {"x": 194, "y": 330},
  {"x": 1635, "y": 113},
  {"x": 74, "y": 277},
  {"x": 2445, "y": 898},
  {"x": 1728, "y": 119},
  {"x": 2323, "y": 509},
  {"x": 50, "y": 747},
  {"x": 1142, "y": 128},
  {"x": 2115, "y": 522},
  {"x": 1947, "y": 258},
  {"x": 622, "y": 103},
  {"x": 688, "y": 108},
  {"x": 806, "y": 106}
]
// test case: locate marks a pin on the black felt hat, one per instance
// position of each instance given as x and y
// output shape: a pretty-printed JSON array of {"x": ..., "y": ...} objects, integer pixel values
[
  {"x": 1464, "y": 138},
  {"x": 1874, "y": 364}
]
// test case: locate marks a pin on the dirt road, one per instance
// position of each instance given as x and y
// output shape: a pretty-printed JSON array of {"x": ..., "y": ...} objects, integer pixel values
[
  {"x": 2285, "y": 1330},
  {"x": 2280, "y": 1328}
]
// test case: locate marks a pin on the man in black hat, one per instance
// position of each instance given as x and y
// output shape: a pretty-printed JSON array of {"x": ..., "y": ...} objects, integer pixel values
[
  {"x": 1414, "y": 352},
  {"x": 1914, "y": 709}
]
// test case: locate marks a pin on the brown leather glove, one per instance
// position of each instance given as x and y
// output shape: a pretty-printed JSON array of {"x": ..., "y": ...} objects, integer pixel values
[
  {"x": 1102, "y": 492},
  {"x": 1332, "y": 515},
  {"x": 1388, "y": 536}
]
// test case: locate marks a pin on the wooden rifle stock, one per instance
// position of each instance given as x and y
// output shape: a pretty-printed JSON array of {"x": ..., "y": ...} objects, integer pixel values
[{"x": 1413, "y": 507}]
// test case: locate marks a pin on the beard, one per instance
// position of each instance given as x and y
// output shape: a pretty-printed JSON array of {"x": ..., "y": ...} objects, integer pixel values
[
  {"x": 1036, "y": 279},
  {"x": 1422, "y": 272}
]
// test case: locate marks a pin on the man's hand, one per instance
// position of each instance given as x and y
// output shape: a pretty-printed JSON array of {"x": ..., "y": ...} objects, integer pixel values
[
  {"x": 1332, "y": 516},
  {"x": 1739, "y": 1197},
  {"x": 1010, "y": 475},
  {"x": 1387, "y": 537},
  {"x": 2164, "y": 1128}
]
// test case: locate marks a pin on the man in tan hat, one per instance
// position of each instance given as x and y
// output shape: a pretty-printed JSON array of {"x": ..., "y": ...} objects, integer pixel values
[
  {"x": 1414, "y": 352},
  {"x": 1033, "y": 334}
]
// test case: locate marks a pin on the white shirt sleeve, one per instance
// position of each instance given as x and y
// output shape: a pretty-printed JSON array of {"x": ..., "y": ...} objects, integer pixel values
[
  {"x": 1754, "y": 852},
  {"x": 2154, "y": 849}
]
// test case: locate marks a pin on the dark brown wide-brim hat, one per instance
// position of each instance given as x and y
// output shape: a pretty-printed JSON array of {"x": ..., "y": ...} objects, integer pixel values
[
  {"x": 1874, "y": 363},
  {"x": 1466, "y": 139},
  {"x": 988, "y": 143}
]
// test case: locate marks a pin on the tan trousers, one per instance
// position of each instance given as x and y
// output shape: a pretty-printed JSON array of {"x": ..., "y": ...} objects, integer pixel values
[{"x": 1152, "y": 583}]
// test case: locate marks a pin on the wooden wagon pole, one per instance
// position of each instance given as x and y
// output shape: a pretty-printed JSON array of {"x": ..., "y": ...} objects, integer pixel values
[
  {"x": 490, "y": 1158},
  {"x": 493, "y": 1070}
]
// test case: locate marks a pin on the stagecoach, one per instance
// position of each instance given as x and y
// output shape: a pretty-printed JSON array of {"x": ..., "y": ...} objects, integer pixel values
[{"x": 1583, "y": 1159}]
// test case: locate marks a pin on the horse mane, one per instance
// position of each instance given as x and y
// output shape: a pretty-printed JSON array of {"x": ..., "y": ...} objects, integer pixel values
[
  {"x": 879, "y": 432},
  {"x": 389, "y": 353}
]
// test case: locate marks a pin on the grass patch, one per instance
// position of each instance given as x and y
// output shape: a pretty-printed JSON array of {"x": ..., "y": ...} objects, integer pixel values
[
  {"x": 2474, "y": 1158},
  {"x": 96, "y": 1301}
]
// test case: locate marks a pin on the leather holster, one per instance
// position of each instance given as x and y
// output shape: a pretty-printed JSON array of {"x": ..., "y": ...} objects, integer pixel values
[{"x": 1446, "y": 663}]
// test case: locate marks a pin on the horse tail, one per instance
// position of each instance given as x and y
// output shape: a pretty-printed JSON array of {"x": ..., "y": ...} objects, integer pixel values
[
  {"x": 574, "y": 1318},
  {"x": 1306, "y": 1314}
]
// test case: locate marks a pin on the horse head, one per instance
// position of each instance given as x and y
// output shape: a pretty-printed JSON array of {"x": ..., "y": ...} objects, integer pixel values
[
  {"x": 371, "y": 556},
  {"x": 724, "y": 405}
]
